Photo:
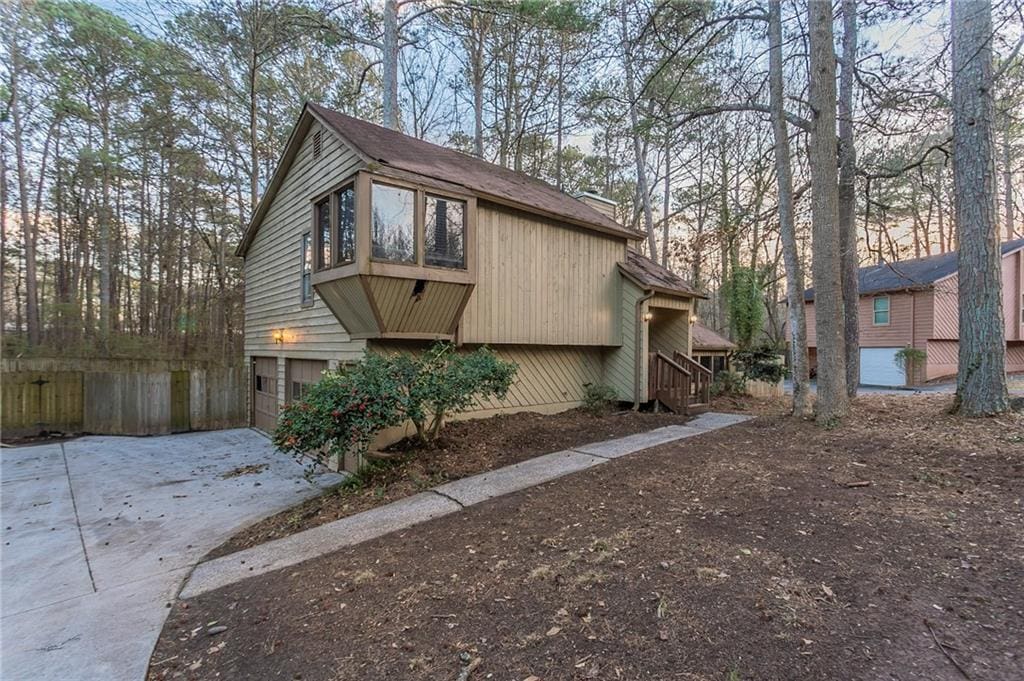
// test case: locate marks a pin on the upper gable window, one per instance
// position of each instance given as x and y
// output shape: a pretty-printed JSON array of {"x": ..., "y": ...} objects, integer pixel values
[
  {"x": 444, "y": 232},
  {"x": 323, "y": 234},
  {"x": 880, "y": 310},
  {"x": 345, "y": 206},
  {"x": 393, "y": 226}
]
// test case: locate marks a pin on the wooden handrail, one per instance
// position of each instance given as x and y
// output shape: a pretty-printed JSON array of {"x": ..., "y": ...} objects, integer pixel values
[
  {"x": 672, "y": 363},
  {"x": 692, "y": 362}
]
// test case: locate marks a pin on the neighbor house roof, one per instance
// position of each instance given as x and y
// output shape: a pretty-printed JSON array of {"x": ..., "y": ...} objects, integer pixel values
[
  {"x": 650, "y": 275},
  {"x": 909, "y": 275},
  {"x": 706, "y": 339},
  {"x": 393, "y": 149}
]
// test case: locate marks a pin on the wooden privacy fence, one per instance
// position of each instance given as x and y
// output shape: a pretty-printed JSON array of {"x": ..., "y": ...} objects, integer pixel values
[{"x": 119, "y": 397}]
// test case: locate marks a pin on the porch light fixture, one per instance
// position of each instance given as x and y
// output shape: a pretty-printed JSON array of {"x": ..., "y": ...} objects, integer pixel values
[
  {"x": 278, "y": 336},
  {"x": 693, "y": 319},
  {"x": 648, "y": 316}
]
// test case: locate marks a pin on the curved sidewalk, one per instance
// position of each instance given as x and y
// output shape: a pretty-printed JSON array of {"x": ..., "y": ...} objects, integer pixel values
[{"x": 439, "y": 501}]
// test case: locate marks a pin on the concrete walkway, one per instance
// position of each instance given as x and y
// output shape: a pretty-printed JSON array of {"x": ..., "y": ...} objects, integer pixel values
[
  {"x": 442, "y": 500},
  {"x": 99, "y": 532}
]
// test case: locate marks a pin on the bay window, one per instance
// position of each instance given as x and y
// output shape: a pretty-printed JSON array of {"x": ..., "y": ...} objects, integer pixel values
[{"x": 393, "y": 223}]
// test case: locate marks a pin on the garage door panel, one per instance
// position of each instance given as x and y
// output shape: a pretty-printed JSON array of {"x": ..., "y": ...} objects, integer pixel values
[
  {"x": 264, "y": 393},
  {"x": 878, "y": 366}
]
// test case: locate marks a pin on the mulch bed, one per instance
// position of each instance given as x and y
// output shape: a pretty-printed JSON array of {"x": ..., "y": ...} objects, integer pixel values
[
  {"x": 466, "y": 448},
  {"x": 889, "y": 547}
]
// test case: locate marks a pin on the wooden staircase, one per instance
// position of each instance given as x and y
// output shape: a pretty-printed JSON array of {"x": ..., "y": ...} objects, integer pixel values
[{"x": 679, "y": 382}]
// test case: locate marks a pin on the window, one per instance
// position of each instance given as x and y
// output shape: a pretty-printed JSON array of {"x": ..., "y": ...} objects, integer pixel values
[
  {"x": 259, "y": 383},
  {"x": 345, "y": 199},
  {"x": 393, "y": 223},
  {"x": 881, "y": 311},
  {"x": 307, "y": 269},
  {"x": 444, "y": 233},
  {"x": 297, "y": 390},
  {"x": 323, "y": 234}
]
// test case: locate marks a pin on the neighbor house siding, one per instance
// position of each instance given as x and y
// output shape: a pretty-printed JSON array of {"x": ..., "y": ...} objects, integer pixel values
[
  {"x": 542, "y": 282},
  {"x": 273, "y": 264},
  {"x": 946, "y": 319},
  {"x": 1013, "y": 289}
]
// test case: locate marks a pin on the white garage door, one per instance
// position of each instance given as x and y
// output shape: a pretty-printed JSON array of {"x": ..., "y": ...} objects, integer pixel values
[{"x": 878, "y": 367}]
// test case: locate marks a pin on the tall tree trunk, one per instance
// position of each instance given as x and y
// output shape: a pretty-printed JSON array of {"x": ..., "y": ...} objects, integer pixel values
[
  {"x": 105, "y": 219},
  {"x": 28, "y": 228},
  {"x": 981, "y": 377},
  {"x": 389, "y": 61},
  {"x": 667, "y": 207},
  {"x": 849, "y": 260},
  {"x": 1007, "y": 178},
  {"x": 787, "y": 226},
  {"x": 833, "y": 399},
  {"x": 477, "y": 74},
  {"x": 634, "y": 118}
]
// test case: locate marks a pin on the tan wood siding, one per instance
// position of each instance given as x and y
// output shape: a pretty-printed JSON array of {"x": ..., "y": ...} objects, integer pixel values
[
  {"x": 433, "y": 311},
  {"x": 670, "y": 302},
  {"x": 349, "y": 300},
  {"x": 620, "y": 363},
  {"x": 273, "y": 262},
  {"x": 670, "y": 331},
  {"x": 541, "y": 282}
]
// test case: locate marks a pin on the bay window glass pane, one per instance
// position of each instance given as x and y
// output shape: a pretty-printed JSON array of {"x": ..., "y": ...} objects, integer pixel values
[
  {"x": 392, "y": 226},
  {"x": 445, "y": 233},
  {"x": 346, "y": 207},
  {"x": 323, "y": 229}
]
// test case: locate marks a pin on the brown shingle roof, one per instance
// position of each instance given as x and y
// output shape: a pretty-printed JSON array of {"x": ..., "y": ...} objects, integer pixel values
[
  {"x": 650, "y": 274},
  {"x": 393, "y": 149},
  {"x": 706, "y": 339}
]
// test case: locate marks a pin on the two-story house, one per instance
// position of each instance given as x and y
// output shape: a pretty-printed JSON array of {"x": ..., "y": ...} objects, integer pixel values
[{"x": 369, "y": 239}]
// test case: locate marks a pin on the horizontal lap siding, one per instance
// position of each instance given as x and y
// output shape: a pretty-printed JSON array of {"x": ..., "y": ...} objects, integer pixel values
[
  {"x": 542, "y": 282},
  {"x": 273, "y": 263},
  {"x": 943, "y": 357}
]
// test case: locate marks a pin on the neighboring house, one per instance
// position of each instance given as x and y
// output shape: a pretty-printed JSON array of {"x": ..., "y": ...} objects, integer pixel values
[
  {"x": 711, "y": 349},
  {"x": 914, "y": 303},
  {"x": 369, "y": 239}
]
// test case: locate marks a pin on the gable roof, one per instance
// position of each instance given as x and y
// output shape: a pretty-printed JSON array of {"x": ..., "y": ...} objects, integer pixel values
[
  {"x": 706, "y": 339},
  {"x": 385, "y": 148},
  {"x": 911, "y": 275},
  {"x": 649, "y": 274}
]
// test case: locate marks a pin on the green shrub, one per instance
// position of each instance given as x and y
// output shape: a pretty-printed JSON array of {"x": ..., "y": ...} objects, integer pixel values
[
  {"x": 598, "y": 398},
  {"x": 344, "y": 411},
  {"x": 761, "y": 364},
  {"x": 910, "y": 358},
  {"x": 729, "y": 383}
]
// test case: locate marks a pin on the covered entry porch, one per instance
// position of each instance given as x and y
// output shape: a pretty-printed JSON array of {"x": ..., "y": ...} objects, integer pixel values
[{"x": 659, "y": 309}]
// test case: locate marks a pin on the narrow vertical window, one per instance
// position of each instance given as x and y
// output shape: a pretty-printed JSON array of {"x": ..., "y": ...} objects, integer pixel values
[
  {"x": 445, "y": 233},
  {"x": 307, "y": 268},
  {"x": 393, "y": 223},
  {"x": 323, "y": 234},
  {"x": 346, "y": 210}
]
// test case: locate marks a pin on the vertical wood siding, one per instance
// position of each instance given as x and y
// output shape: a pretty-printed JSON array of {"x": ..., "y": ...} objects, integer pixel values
[
  {"x": 273, "y": 263},
  {"x": 620, "y": 362},
  {"x": 542, "y": 283}
]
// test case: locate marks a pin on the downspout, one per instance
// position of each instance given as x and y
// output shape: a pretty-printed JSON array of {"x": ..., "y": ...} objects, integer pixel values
[{"x": 640, "y": 354}]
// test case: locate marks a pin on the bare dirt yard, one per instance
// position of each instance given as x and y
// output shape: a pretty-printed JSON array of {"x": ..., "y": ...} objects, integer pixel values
[
  {"x": 891, "y": 547},
  {"x": 465, "y": 448}
]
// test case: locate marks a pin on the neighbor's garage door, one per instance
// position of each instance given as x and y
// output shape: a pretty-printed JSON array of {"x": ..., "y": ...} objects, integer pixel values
[
  {"x": 264, "y": 393},
  {"x": 878, "y": 367},
  {"x": 301, "y": 374}
]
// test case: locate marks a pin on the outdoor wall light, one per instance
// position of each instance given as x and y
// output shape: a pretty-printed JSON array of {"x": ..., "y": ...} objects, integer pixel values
[
  {"x": 278, "y": 336},
  {"x": 648, "y": 316},
  {"x": 693, "y": 319}
]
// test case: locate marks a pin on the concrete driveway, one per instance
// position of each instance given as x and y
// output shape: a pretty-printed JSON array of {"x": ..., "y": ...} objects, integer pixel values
[{"x": 99, "y": 532}]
